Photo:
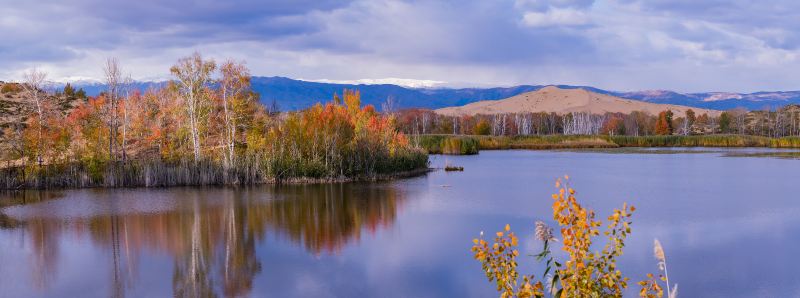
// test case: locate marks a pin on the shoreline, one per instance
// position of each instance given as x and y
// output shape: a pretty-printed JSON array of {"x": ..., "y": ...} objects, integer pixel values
[
  {"x": 331, "y": 180},
  {"x": 269, "y": 181},
  {"x": 434, "y": 143}
]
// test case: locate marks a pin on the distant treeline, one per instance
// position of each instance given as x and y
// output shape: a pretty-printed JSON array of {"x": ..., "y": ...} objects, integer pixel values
[
  {"x": 779, "y": 123},
  {"x": 205, "y": 127},
  {"x": 471, "y": 144}
]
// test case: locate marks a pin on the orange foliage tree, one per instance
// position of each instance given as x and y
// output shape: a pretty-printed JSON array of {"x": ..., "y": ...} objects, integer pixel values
[
  {"x": 664, "y": 123},
  {"x": 339, "y": 139}
]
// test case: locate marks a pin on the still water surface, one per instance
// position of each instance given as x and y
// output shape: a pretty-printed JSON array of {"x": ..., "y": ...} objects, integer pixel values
[{"x": 730, "y": 227}]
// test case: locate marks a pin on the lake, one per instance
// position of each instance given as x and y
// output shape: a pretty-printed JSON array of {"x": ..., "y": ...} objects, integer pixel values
[{"x": 730, "y": 227}]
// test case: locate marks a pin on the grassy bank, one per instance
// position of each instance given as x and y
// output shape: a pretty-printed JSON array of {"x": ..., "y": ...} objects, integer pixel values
[
  {"x": 706, "y": 141},
  {"x": 432, "y": 143},
  {"x": 453, "y": 145}
]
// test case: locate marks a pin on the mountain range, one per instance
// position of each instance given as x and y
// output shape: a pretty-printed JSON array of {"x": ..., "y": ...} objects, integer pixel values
[{"x": 291, "y": 94}]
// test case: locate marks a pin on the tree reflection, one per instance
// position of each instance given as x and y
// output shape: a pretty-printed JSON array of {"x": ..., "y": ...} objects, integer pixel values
[
  {"x": 326, "y": 218},
  {"x": 41, "y": 234},
  {"x": 211, "y": 234}
]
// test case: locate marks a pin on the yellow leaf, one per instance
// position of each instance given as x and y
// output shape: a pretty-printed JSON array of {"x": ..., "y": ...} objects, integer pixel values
[{"x": 508, "y": 227}]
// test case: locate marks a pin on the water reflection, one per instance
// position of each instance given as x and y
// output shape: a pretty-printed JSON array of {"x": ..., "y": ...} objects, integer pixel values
[{"x": 210, "y": 234}]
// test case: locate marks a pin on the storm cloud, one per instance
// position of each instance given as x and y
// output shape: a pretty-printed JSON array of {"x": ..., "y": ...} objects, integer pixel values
[{"x": 732, "y": 45}]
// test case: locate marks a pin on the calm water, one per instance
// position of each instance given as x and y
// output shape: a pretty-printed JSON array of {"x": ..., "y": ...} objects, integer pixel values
[{"x": 730, "y": 227}]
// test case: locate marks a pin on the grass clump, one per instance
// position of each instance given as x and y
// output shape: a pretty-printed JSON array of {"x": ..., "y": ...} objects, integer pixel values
[{"x": 451, "y": 145}]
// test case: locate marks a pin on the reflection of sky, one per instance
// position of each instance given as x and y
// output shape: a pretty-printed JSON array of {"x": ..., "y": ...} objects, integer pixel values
[{"x": 728, "y": 225}]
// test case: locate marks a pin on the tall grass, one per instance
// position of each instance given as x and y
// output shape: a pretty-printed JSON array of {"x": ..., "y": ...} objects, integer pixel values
[
  {"x": 453, "y": 145},
  {"x": 147, "y": 173},
  {"x": 433, "y": 143},
  {"x": 693, "y": 141}
]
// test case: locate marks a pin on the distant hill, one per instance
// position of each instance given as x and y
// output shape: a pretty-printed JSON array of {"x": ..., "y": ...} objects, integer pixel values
[
  {"x": 293, "y": 94},
  {"x": 552, "y": 99}
]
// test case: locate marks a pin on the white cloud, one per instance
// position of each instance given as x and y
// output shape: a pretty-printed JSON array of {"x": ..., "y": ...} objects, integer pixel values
[{"x": 556, "y": 17}]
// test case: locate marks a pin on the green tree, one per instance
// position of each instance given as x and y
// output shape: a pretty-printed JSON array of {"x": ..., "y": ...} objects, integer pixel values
[
  {"x": 725, "y": 122},
  {"x": 69, "y": 91}
]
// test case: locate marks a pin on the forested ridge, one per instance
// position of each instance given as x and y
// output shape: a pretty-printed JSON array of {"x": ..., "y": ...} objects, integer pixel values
[{"x": 206, "y": 126}]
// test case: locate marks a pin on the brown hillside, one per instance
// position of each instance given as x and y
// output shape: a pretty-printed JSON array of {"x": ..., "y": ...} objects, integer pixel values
[{"x": 563, "y": 101}]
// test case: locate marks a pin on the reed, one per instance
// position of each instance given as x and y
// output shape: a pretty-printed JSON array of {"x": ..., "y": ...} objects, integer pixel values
[
  {"x": 135, "y": 173},
  {"x": 658, "y": 252},
  {"x": 249, "y": 170},
  {"x": 452, "y": 145}
]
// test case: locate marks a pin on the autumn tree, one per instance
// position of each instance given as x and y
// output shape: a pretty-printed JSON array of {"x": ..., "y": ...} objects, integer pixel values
[
  {"x": 482, "y": 128},
  {"x": 664, "y": 123},
  {"x": 193, "y": 75},
  {"x": 90, "y": 130},
  {"x": 615, "y": 125}
]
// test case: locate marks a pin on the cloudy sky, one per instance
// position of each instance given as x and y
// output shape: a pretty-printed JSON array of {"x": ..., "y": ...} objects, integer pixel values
[{"x": 683, "y": 45}]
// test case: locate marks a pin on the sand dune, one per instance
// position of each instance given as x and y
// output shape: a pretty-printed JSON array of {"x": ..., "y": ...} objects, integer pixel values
[{"x": 563, "y": 101}]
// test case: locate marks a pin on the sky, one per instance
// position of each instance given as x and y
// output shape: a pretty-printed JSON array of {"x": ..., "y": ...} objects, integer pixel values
[{"x": 624, "y": 45}]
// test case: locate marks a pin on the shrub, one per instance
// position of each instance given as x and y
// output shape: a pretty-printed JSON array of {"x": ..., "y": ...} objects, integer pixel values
[
  {"x": 586, "y": 273},
  {"x": 10, "y": 88}
]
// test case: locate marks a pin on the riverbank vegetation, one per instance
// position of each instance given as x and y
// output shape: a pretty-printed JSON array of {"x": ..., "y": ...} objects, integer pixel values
[
  {"x": 429, "y": 142},
  {"x": 736, "y": 128},
  {"x": 444, "y": 144},
  {"x": 585, "y": 273},
  {"x": 779, "y": 123},
  {"x": 204, "y": 127}
]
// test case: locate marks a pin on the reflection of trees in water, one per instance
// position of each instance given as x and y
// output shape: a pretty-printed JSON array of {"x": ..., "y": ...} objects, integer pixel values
[
  {"x": 212, "y": 234},
  {"x": 43, "y": 238},
  {"x": 325, "y": 218},
  {"x": 23, "y": 197},
  {"x": 7, "y": 222}
]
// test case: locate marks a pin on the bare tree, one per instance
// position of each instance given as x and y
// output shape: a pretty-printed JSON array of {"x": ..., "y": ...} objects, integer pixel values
[
  {"x": 233, "y": 85},
  {"x": 425, "y": 120},
  {"x": 34, "y": 79},
  {"x": 127, "y": 86},
  {"x": 193, "y": 75},
  {"x": 577, "y": 123},
  {"x": 389, "y": 106},
  {"x": 113, "y": 77}
]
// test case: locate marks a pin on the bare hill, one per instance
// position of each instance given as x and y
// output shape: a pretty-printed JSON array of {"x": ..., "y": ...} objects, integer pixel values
[{"x": 564, "y": 101}]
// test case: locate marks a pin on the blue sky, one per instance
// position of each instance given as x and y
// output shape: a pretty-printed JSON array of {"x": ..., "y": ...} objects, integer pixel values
[{"x": 682, "y": 45}]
